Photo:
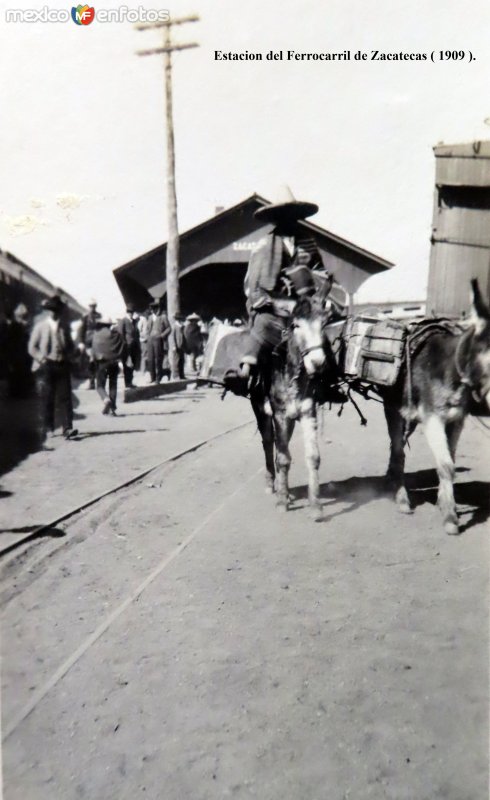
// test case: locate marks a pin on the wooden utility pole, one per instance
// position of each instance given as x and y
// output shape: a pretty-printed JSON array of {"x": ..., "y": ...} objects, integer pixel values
[{"x": 172, "y": 259}]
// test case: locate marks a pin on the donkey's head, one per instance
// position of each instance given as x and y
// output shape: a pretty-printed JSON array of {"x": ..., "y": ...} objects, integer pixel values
[
  {"x": 308, "y": 334},
  {"x": 478, "y": 356}
]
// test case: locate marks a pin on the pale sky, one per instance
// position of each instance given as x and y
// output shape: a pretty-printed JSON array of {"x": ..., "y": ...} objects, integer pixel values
[{"x": 82, "y": 182}]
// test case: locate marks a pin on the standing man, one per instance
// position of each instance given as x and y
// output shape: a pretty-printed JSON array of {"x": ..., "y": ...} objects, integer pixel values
[
  {"x": 108, "y": 349},
  {"x": 86, "y": 333},
  {"x": 158, "y": 333},
  {"x": 193, "y": 341},
  {"x": 129, "y": 331},
  {"x": 51, "y": 349},
  {"x": 179, "y": 344},
  {"x": 143, "y": 329}
]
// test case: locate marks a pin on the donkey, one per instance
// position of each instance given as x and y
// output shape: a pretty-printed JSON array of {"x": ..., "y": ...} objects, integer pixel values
[
  {"x": 448, "y": 373},
  {"x": 295, "y": 382}
]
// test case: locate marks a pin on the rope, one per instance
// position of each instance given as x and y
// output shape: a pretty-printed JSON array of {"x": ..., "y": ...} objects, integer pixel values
[{"x": 406, "y": 426}]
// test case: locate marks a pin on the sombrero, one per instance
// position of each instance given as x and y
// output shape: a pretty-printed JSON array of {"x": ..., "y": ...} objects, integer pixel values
[
  {"x": 53, "y": 303},
  {"x": 285, "y": 206}
]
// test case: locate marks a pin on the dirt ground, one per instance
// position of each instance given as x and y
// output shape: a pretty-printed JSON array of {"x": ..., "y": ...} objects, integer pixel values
[{"x": 183, "y": 640}]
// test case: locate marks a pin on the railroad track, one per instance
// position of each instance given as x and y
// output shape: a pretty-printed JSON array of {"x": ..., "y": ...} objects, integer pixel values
[
  {"x": 38, "y": 532},
  {"x": 12, "y": 724}
]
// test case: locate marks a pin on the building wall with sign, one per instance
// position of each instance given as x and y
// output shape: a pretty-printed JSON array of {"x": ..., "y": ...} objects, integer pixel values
[{"x": 214, "y": 258}]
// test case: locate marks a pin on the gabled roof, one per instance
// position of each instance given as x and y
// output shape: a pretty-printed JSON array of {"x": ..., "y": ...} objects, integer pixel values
[{"x": 378, "y": 264}]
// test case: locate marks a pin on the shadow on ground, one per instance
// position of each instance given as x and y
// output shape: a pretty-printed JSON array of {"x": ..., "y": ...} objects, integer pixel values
[
  {"x": 92, "y": 434},
  {"x": 422, "y": 487}
]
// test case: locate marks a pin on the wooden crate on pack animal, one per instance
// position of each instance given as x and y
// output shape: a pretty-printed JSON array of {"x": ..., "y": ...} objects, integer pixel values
[{"x": 374, "y": 350}]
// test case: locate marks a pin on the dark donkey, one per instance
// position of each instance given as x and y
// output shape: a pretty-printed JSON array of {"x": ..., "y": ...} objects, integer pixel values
[
  {"x": 448, "y": 373},
  {"x": 291, "y": 390}
]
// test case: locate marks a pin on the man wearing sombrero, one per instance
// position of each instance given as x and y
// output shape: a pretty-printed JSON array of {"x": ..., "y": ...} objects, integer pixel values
[
  {"x": 285, "y": 264},
  {"x": 51, "y": 349}
]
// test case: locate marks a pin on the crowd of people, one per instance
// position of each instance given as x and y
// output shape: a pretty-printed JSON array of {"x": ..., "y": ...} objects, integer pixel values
[{"x": 45, "y": 353}]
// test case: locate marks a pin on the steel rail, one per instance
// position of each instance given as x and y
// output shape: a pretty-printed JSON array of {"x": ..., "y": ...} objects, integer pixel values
[
  {"x": 10, "y": 726},
  {"x": 37, "y": 532}
]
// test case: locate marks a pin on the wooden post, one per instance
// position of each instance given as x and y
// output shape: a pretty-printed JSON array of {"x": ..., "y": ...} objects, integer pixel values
[{"x": 172, "y": 256}]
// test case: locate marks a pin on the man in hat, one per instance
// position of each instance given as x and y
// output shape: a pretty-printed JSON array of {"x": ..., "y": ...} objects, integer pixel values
[
  {"x": 129, "y": 331},
  {"x": 286, "y": 264},
  {"x": 51, "y": 349},
  {"x": 86, "y": 332},
  {"x": 178, "y": 338},
  {"x": 193, "y": 340},
  {"x": 108, "y": 349},
  {"x": 143, "y": 332},
  {"x": 158, "y": 333}
]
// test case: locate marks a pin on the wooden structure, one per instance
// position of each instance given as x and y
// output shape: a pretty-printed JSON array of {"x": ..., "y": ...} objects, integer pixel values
[
  {"x": 21, "y": 284},
  {"x": 214, "y": 257},
  {"x": 461, "y": 227}
]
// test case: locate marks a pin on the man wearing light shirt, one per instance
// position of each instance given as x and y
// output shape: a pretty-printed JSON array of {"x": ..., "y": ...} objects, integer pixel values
[{"x": 51, "y": 348}]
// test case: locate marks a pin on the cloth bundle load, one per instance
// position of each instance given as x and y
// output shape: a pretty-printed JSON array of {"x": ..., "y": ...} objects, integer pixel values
[
  {"x": 223, "y": 351},
  {"x": 374, "y": 349}
]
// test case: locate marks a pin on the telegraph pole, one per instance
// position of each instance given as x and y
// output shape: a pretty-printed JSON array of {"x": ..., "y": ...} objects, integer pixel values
[{"x": 172, "y": 260}]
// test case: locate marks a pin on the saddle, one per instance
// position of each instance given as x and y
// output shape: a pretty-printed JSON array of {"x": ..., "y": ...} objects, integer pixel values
[{"x": 419, "y": 332}]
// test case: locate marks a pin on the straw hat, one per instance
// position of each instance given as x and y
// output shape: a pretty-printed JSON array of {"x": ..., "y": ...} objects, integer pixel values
[{"x": 285, "y": 206}]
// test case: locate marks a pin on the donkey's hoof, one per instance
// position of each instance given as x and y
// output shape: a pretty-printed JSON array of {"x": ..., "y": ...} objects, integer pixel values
[
  {"x": 282, "y": 505},
  {"x": 269, "y": 489},
  {"x": 451, "y": 527},
  {"x": 402, "y": 501},
  {"x": 315, "y": 513}
]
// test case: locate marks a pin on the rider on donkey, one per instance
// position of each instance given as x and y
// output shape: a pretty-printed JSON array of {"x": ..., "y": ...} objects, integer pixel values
[{"x": 283, "y": 266}]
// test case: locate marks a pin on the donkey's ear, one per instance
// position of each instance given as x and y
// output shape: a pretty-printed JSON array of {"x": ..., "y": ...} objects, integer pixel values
[{"x": 480, "y": 312}]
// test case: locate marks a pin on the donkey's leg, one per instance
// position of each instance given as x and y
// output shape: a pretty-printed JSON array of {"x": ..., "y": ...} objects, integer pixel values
[
  {"x": 396, "y": 466},
  {"x": 266, "y": 430},
  {"x": 435, "y": 432},
  {"x": 453, "y": 432},
  {"x": 309, "y": 425},
  {"x": 283, "y": 428}
]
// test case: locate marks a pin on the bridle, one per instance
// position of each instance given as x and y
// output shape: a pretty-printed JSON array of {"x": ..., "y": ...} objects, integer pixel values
[
  {"x": 307, "y": 350},
  {"x": 477, "y": 392}
]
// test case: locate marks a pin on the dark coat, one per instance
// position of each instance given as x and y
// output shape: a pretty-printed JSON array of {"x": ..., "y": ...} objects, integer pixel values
[
  {"x": 107, "y": 345},
  {"x": 193, "y": 338},
  {"x": 159, "y": 328},
  {"x": 87, "y": 328},
  {"x": 128, "y": 328}
]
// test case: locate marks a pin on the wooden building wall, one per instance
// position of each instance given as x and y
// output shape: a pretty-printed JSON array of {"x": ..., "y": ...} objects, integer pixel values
[{"x": 461, "y": 227}]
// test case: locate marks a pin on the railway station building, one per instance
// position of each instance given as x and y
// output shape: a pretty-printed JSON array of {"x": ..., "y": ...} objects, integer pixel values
[{"x": 214, "y": 257}]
